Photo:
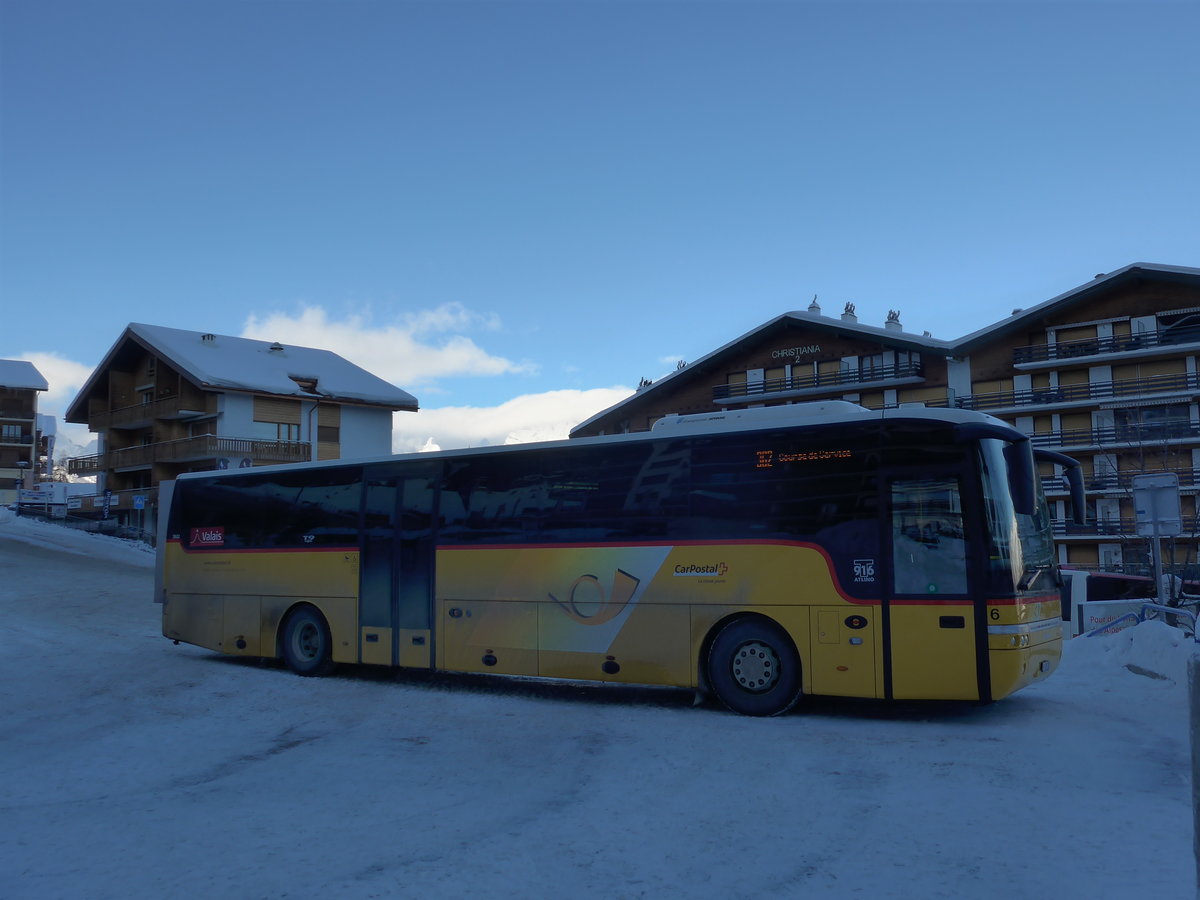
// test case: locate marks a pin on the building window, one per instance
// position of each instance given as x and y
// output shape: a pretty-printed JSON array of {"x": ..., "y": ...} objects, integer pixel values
[
  {"x": 10, "y": 434},
  {"x": 870, "y": 367},
  {"x": 1149, "y": 423},
  {"x": 328, "y": 434},
  {"x": 276, "y": 431}
]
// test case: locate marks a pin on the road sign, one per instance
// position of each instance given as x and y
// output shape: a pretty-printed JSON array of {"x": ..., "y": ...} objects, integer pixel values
[{"x": 1156, "y": 504}]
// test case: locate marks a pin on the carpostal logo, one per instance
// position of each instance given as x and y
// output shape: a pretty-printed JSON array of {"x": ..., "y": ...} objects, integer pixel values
[
  {"x": 713, "y": 571},
  {"x": 212, "y": 536}
]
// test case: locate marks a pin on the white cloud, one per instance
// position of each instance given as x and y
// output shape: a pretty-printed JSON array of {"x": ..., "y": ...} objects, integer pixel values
[
  {"x": 531, "y": 417},
  {"x": 65, "y": 377},
  {"x": 399, "y": 352},
  {"x": 450, "y": 317},
  {"x": 394, "y": 353}
]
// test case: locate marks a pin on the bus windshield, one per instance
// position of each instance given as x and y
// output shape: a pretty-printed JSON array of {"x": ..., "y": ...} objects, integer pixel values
[{"x": 1021, "y": 551}]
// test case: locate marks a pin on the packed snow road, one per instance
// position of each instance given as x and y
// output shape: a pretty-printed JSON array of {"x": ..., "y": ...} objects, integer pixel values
[{"x": 132, "y": 767}]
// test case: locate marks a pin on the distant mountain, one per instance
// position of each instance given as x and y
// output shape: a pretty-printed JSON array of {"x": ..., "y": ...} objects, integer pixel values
[{"x": 65, "y": 448}]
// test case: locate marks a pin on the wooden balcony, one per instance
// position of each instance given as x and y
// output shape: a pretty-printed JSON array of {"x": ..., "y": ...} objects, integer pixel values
[
  {"x": 1159, "y": 342},
  {"x": 1149, "y": 434},
  {"x": 1185, "y": 384},
  {"x": 886, "y": 376},
  {"x": 93, "y": 504},
  {"x": 204, "y": 447},
  {"x": 1125, "y": 527},
  {"x": 144, "y": 414},
  {"x": 1119, "y": 482}
]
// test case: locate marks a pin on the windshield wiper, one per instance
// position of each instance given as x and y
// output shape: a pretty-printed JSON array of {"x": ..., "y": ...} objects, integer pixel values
[{"x": 1031, "y": 576}]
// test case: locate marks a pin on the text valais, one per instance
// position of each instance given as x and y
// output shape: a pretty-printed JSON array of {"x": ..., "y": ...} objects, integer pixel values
[{"x": 212, "y": 536}]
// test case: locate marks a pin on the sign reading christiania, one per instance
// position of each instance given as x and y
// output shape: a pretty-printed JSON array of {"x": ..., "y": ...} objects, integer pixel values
[{"x": 809, "y": 350}]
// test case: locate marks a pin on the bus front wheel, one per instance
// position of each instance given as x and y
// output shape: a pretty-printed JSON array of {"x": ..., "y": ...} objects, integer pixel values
[
  {"x": 306, "y": 643},
  {"x": 753, "y": 668}
]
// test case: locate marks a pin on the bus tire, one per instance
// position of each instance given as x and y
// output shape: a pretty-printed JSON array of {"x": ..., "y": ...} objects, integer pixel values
[
  {"x": 306, "y": 643},
  {"x": 753, "y": 667}
]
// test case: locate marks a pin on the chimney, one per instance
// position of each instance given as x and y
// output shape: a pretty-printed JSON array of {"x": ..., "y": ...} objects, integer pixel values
[
  {"x": 848, "y": 314},
  {"x": 814, "y": 307},
  {"x": 208, "y": 338},
  {"x": 893, "y": 321}
]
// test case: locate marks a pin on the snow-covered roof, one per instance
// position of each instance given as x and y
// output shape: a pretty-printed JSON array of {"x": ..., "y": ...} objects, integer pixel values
[
  {"x": 222, "y": 362},
  {"x": 17, "y": 373}
]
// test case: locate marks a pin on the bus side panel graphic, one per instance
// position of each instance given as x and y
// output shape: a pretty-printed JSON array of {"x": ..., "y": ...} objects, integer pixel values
[{"x": 621, "y": 613}]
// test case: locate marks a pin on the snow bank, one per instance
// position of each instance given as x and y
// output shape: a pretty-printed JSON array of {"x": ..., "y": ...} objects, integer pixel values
[
  {"x": 71, "y": 540},
  {"x": 1152, "y": 649}
]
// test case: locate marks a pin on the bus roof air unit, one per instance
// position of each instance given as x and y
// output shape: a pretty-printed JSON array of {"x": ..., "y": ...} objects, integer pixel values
[{"x": 762, "y": 417}]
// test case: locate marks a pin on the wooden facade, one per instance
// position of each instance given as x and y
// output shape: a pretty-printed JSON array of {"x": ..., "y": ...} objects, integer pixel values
[
  {"x": 155, "y": 419},
  {"x": 1107, "y": 372},
  {"x": 21, "y": 444}
]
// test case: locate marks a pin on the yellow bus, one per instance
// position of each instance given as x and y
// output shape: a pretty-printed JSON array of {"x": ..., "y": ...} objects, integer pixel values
[{"x": 754, "y": 556}]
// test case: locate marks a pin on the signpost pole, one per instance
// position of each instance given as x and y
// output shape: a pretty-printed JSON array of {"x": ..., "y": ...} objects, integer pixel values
[
  {"x": 1156, "y": 556},
  {"x": 1157, "y": 511}
]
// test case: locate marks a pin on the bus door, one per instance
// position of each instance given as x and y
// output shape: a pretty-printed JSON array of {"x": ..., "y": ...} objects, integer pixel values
[
  {"x": 932, "y": 623},
  {"x": 396, "y": 571}
]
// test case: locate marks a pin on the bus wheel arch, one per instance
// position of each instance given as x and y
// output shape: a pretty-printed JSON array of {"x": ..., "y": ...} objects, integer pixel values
[
  {"x": 750, "y": 663},
  {"x": 305, "y": 641}
]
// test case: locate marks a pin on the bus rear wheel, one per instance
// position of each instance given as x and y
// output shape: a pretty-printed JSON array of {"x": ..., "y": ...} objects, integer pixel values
[
  {"x": 753, "y": 668},
  {"x": 306, "y": 643}
]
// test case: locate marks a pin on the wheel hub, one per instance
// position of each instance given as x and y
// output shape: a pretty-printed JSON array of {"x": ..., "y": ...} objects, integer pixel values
[
  {"x": 755, "y": 666},
  {"x": 308, "y": 641}
]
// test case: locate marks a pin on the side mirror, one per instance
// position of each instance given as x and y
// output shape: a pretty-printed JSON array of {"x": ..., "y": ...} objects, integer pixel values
[{"x": 1073, "y": 472}]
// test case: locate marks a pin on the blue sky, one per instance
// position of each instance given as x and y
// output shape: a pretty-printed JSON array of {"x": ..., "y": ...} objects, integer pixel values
[{"x": 516, "y": 210}]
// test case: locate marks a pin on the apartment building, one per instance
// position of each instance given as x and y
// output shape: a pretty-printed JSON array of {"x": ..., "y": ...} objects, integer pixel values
[
  {"x": 1106, "y": 372},
  {"x": 164, "y": 401},
  {"x": 20, "y": 439}
]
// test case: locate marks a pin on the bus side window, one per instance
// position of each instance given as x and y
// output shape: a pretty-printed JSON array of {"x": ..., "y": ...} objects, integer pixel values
[{"x": 929, "y": 550}]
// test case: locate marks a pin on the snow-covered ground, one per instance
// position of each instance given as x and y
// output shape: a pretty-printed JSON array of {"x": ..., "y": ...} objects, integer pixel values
[{"x": 130, "y": 767}]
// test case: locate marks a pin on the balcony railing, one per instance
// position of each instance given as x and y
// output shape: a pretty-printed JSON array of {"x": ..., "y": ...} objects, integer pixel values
[
  {"x": 857, "y": 377},
  {"x": 1074, "y": 393},
  {"x": 1114, "y": 527},
  {"x": 1128, "y": 435},
  {"x": 1127, "y": 343},
  {"x": 1117, "y": 481},
  {"x": 207, "y": 446},
  {"x": 143, "y": 414},
  {"x": 88, "y": 504}
]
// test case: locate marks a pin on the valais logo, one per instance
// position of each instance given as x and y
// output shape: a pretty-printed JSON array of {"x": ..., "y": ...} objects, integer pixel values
[{"x": 213, "y": 536}]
